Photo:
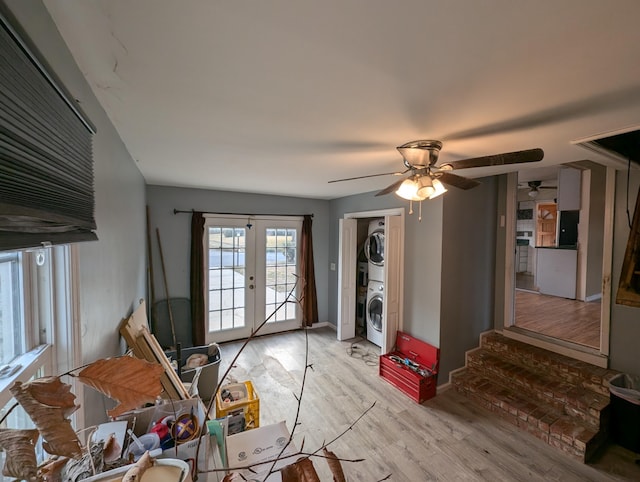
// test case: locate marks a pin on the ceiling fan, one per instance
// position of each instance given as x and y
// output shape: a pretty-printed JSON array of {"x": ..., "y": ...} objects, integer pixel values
[
  {"x": 534, "y": 188},
  {"x": 426, "y": 178}
]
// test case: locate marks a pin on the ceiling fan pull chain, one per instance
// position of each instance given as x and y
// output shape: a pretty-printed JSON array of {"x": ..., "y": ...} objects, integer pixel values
[
  {"x": 420, "y": 212},
  {"x": 410, "y": 207}
]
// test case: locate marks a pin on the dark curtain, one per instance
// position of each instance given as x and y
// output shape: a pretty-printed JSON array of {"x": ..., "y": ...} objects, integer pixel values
[
  {"x": 197, "y": 278},
  {"x": 309, "y": 299}
]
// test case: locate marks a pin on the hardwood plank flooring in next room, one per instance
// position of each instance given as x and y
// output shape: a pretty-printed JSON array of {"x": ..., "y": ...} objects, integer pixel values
[
  {"x": 446, "y": 438},
  {"x": 570, "y": 320}
]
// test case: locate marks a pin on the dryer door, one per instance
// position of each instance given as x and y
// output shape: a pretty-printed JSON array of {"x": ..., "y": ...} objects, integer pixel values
[{"x": 374, "y": 248}]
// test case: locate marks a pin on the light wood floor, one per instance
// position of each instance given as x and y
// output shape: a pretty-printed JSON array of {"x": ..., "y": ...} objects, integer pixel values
[
  {"x": 446, "y": 438},
  {"x": 570, "y": 320}
]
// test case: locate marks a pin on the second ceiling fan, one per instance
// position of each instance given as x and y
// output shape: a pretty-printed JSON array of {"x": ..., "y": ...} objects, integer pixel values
[{"x": 534, "y": 188}]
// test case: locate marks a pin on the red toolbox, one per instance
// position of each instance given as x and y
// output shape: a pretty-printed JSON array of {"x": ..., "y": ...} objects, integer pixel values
[{"x": 412, "y": 367}]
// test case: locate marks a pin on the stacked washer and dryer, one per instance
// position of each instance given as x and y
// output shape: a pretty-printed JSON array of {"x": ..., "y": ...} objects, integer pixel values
[{"x": 374, "y": 251}]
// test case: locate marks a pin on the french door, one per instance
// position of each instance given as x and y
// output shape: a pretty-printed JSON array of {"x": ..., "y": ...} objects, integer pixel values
[{"x": 251, "y": 266}]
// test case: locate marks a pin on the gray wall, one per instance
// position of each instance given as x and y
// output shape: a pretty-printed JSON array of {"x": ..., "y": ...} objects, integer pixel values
[
  {"x": 625, "y": 320},
  {"x": 175, "y": 231},
  {"x": 111, "y": 270},
  {"x": 468, "y": 271},
  {"x": 449, "y": 266}
]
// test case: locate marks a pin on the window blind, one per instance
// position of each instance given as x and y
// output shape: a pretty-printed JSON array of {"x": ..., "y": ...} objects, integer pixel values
[{"x": 46, "y": 153}]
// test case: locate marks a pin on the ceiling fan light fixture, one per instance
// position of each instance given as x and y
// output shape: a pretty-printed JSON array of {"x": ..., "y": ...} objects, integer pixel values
[
  {"x": 438, "y": 189},
  {"x": 533, "y": 193},
  {"x": 409, "y": 190},
  {"x": 425, "y": 187}
]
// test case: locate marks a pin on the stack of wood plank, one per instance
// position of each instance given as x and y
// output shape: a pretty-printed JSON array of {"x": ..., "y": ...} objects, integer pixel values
[{"x": 135, "y": 331}]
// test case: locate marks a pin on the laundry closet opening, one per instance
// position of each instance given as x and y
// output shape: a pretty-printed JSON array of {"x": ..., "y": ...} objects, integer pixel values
[{"x": 370, "y": 276}]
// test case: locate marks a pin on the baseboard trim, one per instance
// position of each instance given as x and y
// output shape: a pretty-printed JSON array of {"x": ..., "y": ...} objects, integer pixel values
[
  {"x": 453, "y": 372},
  {"x": 322, "y": 324},
  {"x": 456, "y": 370},
  {"x": 444, "y": 387}
]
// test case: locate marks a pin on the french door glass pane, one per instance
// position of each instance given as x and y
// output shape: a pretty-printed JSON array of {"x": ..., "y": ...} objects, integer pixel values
[
  {"x": 227, "y": 252},
  {"x": 281, "y": 253}
]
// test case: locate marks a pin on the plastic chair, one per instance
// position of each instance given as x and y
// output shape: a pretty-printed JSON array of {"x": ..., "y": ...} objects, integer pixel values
[{"x": 181, "y": 311}]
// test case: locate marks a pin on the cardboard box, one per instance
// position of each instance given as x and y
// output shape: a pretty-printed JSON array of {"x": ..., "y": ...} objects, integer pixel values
[
  {"x": 143, "y": 419},
  {"x": 257, "y": 447}
]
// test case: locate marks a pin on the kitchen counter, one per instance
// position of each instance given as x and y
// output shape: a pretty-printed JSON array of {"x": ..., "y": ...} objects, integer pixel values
[
  {"x": 570, "y": 247},
  {"x": 556, "y": 270}
]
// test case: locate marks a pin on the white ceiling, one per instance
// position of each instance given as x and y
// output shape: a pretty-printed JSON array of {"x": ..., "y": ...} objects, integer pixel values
[{"x": 281, "y": 96}]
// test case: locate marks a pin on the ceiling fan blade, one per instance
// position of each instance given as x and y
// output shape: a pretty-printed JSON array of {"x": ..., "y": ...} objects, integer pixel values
[
  {"x": 389, "y": 189},
  {"x": 370, "y": 175},
  {"x": 457, "y": 181},
  {"x": 573, "y": 110},
  {"x": 529, "y": 155}
]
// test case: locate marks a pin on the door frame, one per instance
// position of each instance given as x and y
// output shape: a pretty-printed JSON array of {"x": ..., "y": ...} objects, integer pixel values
[
  {"x": 290, "y": 222},
  {"x": 255, "y": 267},
  {"x": 598, "y": 357},
  {"x": 249, "y": 277},
  {"x": 394, "y": 292}
]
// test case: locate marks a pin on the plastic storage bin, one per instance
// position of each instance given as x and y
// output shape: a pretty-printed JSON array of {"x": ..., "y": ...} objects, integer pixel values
[
  {"x": 209, "y": 377},
  {"x": 625, "y": 410},
  {"x": 245, "y": 401}
]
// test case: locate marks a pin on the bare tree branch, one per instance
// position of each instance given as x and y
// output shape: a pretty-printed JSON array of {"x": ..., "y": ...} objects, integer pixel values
[
  {"x": 224, "y": 376},
  {"x": 299, "y": 397}
]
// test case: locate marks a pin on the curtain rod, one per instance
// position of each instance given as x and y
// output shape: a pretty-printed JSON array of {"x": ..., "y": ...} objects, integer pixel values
[{"x": 191, "y": 211}]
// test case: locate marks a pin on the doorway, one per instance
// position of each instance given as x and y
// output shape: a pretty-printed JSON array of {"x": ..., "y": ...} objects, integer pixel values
[
  {"x": 353, "y": 232},
  {"x": 252, "y": 267},
  {"x": 558, "y": 298}
]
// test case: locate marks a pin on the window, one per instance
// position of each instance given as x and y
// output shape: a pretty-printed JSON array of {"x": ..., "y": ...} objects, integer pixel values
[
  {"x": 281, "y": 268},
  {"x": 12, "y": 341},
  {"x": 34, "y": 291}
]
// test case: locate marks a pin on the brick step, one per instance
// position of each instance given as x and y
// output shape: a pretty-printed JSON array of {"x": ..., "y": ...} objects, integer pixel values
[
  {"x": 542, "y": 420},
  {"x": 574, "y": 401},
  {"x": 574, "y": 372}
]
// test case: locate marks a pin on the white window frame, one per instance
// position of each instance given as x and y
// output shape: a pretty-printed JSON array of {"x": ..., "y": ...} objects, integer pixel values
[{"x": 50, "y": 305}]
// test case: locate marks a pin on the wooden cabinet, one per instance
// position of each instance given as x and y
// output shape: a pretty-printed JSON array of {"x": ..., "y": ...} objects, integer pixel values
[
  {"x": 546, "y": 224},
  {"x": 569, "y": 187}
]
